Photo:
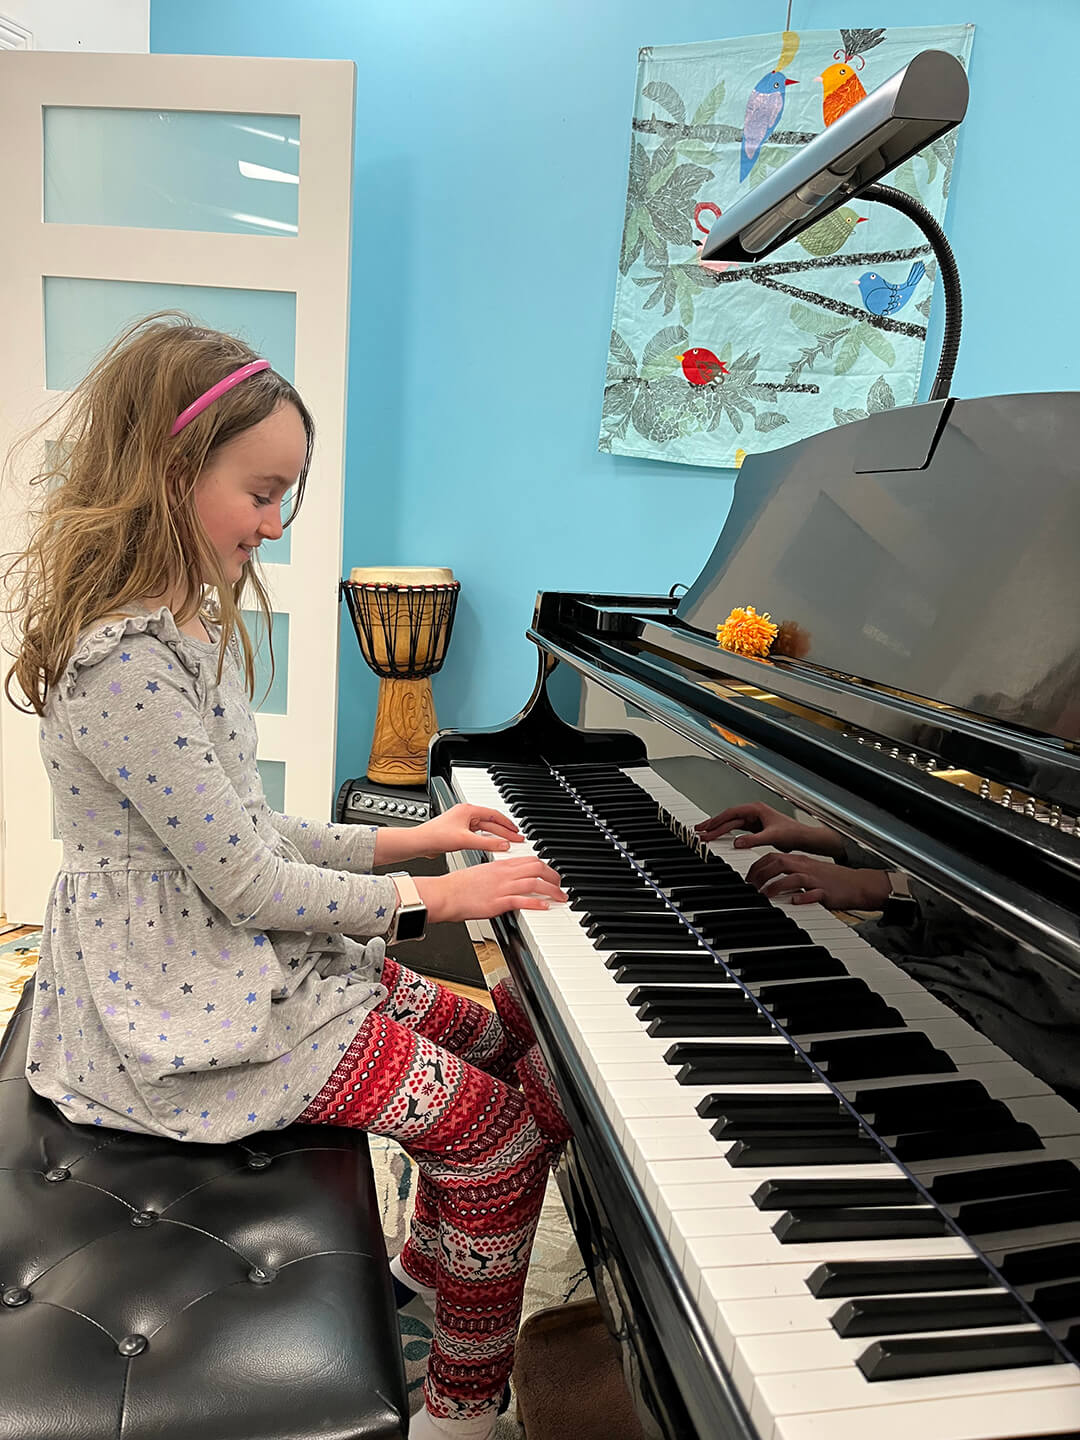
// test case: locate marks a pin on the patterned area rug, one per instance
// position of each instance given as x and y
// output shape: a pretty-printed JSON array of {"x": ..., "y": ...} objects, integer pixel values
[
  {"x": 556, "y": 1275},
  {"x": 17, "y": 961}
]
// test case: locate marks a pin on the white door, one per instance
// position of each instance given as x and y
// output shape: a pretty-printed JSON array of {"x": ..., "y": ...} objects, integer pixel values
[{"x": 221, "y": 187}]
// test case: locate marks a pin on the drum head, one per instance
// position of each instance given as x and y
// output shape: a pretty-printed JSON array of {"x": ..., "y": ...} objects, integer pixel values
[{"x": 400, "y": 575}]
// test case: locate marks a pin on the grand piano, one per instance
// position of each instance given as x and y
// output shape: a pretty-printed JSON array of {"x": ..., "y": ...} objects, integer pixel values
[{"x": 824, "y": 1174}]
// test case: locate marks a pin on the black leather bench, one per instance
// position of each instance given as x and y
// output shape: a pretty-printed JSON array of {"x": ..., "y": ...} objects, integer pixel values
[{"x": 188, "y": 1292}]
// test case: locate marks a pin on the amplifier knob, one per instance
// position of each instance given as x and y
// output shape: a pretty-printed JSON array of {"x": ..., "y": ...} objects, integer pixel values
[
  {"x": 368, "y": 802},
  {"x": 381, "y": 805}
]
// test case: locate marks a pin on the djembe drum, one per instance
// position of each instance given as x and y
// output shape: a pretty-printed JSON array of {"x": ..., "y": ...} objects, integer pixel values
[{"x": 403, "y": 617}]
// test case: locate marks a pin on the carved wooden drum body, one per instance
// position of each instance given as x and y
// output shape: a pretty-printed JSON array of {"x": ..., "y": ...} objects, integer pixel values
[{"x": 403, "y": 617}]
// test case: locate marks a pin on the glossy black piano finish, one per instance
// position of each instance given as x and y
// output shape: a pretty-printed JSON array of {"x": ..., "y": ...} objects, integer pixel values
[{"x": 922, "y": 561}]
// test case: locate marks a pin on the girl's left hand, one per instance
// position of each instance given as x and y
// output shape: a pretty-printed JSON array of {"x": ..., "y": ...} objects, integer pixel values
[{"x": 466, "y": 827}]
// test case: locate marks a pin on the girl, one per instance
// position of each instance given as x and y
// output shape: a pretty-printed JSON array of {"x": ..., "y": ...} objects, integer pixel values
[{"x": 199, "y": 976}]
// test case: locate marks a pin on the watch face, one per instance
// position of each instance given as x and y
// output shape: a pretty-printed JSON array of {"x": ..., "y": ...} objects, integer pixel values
[
  {"x": 411, "y": 923},
  {"x": 900, "y": 910}
]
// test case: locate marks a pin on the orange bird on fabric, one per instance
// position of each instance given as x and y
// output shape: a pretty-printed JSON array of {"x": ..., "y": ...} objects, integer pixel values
[
  {"x": 700, "y": 366},
  {"x": 843, "y": 89}
]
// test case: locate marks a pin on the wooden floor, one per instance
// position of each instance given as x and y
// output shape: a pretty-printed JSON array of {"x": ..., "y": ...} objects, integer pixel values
[{"x": 491, "y": 962}]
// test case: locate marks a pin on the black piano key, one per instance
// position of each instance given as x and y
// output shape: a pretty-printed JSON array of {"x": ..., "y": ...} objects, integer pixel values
[
  {"x": 908, "y": 1314},
  {"x": 588, "y": 901},
  {"x": 719, "y": 907},
  {"x": 719, "y": 1052},
  {"x": 731, "y": 1023},
  {"x": 805, "y": 1150},
  {"x": 903, "y": 1107},
  {"x": 674, "y": 999},
  {"x": 833, "y": 1194},
  {"x": 970, "y": 1139},
  {"x": 1019, "y": 1212},
  {"x": 725, "y": 1127},
  {"x": 988, "y": 1115},
  {"x": 1047, "y": 1262},
  {"x": 795, "y": 1109},
  {"x": 646, "y": 944},
  {"x": 703, "y": 891},
  {"x": 658, "y": 968},
  {"x": 787, "y": 962},
  {"x": 840, "y": 992},
  {"x": 597, "y": 872},
  {"x": 903, "y": 1052},
  {"x": 763, "y": 1067},
  {"x": 874, "y": 1015},
  {"x": 758, "y": 928},
  {"x": 910, "y": 1359},
  {"x": 815, "y": 1226},
  {"x": 838, "y": 1278},
  {"x": 1057, "y": 1302},
  {"x": 1001, "y": 1180},
  {"x": 636, "y": 926},
  {"x": 649, "y": 914}
]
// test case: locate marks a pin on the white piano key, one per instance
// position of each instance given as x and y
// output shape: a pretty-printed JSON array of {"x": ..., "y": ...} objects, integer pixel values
[
  {"x": 1014, "y": 1413},
  {"x": 835, "y": 1389}
]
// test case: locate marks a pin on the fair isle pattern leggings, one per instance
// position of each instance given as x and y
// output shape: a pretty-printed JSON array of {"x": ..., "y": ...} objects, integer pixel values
[{"x": 436, "y": 1072}]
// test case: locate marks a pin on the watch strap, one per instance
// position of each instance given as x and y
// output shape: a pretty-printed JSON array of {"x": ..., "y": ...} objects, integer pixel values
[
  {"x": 901, "y": 908},
  {"x": 408, "y": 894},
  {"x": 410, "y": 917}
]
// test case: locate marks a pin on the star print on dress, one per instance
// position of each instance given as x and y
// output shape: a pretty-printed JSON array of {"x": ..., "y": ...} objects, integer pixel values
[{"x": 183, "y": 856}]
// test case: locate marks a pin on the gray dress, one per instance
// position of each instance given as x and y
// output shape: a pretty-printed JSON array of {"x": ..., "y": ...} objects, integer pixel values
[{"x": 196, "y": 978}]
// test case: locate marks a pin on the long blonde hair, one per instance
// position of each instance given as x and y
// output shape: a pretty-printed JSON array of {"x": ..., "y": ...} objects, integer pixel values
[{"x": 117, "y": 521}]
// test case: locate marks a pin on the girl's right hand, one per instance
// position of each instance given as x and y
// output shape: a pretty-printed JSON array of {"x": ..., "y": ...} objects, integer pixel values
[
  {"x": 770, "y": 827},
  {"x": 484, "y": 891}
]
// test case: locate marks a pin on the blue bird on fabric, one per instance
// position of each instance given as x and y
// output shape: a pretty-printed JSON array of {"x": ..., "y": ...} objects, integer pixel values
[
  {"x": 763, "y": 112},
  {"x": 881, "y": 297}
]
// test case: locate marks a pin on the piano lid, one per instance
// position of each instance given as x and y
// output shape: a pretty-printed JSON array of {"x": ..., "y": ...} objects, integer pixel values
[
  {"x": 929, "y": 606},
  {"x": 929, "y": 550}
]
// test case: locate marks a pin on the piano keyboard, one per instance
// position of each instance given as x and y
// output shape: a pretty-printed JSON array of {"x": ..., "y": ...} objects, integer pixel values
[{"x": 838, "y": 1295}]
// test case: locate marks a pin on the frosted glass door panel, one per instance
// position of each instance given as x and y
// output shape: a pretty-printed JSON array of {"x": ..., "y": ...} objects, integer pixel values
[
  {"x": 82, "y": 318},
  {"x": 275, "y": 700},
  {"x": 272, "y": 774},
  {"x": 172, "y": 170},
  {"x": 279, "y": 552}
]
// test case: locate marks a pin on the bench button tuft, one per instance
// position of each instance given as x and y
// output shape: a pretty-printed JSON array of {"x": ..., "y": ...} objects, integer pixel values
[
  {"x": 15, "y": 1296},
  {"x": 261, "y": 1275},
  {"x": 142, "y": 1218},
  {"x": 57, "y": 1173},
  {"x": 133, "y": 1345},
  {"x": 257, "y": 1160}
]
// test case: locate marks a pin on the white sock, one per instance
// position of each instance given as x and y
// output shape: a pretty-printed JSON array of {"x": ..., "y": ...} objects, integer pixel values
[
  {"x": 425, "y": 1426},
  {"x": 426, "y": 1292}
]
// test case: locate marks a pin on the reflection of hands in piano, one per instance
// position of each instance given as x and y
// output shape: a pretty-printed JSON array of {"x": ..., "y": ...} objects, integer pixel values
[
  {"x": 770, "y": 827},
  {"x": 809, "y": 882},
  {"x": 484, "y": 891}
]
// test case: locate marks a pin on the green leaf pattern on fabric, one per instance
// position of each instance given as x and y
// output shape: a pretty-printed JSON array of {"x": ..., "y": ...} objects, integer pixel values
[{"x": 808, "y": 353}]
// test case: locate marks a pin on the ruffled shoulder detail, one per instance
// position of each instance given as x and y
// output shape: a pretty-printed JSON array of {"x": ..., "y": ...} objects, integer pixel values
[{"x": 102, "y": 639}]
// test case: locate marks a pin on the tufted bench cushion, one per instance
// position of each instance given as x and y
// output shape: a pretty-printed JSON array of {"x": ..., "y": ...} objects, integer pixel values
[{"x": 188, "y": 1292}]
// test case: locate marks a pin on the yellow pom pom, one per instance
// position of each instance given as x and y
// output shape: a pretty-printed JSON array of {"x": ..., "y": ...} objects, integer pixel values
[{"x": 747, "y": 633}]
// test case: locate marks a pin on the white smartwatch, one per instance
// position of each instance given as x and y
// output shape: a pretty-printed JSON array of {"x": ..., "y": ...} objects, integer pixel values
[
  {"x": 410, "y": 918},
  {"x": 901, "y": 908}
]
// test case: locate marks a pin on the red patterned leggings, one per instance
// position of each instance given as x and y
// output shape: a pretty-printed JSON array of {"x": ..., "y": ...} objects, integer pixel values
[{"x": 435, "y": 1072}]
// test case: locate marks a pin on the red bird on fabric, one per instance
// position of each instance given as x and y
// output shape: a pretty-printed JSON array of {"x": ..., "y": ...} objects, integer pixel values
[{"x": 700, "y": 366}]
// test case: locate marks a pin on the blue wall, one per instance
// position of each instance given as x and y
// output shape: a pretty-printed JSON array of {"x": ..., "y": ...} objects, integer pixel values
[{"x": 491, "y": 157}]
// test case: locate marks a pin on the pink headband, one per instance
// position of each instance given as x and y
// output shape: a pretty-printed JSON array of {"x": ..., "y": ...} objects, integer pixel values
[{"x": 215, "y": 393}]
